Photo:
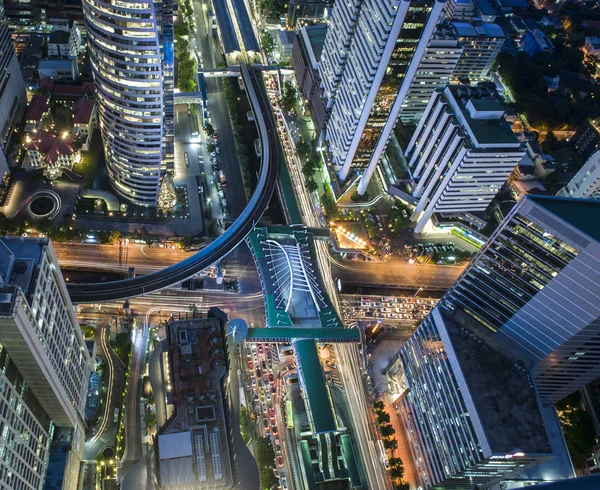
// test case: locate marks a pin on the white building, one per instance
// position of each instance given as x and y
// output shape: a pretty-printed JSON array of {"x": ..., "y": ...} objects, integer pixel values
[
  {"x": 459, "y": 10},
  {"x": 129, "y": 82},
  {"x": 481, "y": 45},
  {"x": 60, "y": 69},
  {"x": 341, "y": 27},
  {"x": 586, "y": 182},
  {"x": 435, "y": 69},
  {"x": 64, "y": 44},
  {"x": 461, "y": 153},
  {"x": 84, "y": 121},
  {"x": 45, "y": 367},
  {"x": 376, "y": 73}
]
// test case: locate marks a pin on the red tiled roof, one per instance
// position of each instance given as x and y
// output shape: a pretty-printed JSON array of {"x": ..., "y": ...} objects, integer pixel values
[
  {"x": 53, "y": 88},
  {"x": 82, "y": 111},
  {"x": 52, "y": 146},
  {"x": 37, "y": 107}
]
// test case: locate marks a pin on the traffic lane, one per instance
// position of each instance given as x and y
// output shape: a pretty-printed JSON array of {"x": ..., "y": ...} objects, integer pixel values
[
  {"x": 227, "y": 158},
  {"x": 397, "y": 273}
]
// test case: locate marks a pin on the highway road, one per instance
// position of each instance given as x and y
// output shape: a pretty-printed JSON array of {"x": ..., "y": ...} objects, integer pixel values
[{"x": 395, "y": 274}]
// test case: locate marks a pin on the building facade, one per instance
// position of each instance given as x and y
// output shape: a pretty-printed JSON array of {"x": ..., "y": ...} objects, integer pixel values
[
  {"x": 481, "y": 45},
  {"x": 46, "y": 371},
  {"x": 461, "y": 153},
  {"x": 131, "y": 71},
  {"x": 535, "y": 288},
  {"x": 470, "y": 416},
  {"x": 435, "y": 70},
  {"x": 13, "y": 101},
  {"x": 389, "y": 42},
  {"x": 586, "y": 182}
]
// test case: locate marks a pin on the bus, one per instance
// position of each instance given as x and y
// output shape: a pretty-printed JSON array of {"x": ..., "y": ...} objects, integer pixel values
[{"x": 289, "y": 416}]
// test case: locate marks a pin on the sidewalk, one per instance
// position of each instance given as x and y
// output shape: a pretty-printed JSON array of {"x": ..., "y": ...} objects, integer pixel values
[{"x": 403, "y": 452}]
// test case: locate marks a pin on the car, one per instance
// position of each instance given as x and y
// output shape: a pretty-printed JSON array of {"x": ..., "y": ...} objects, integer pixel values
[
  {"x": 277, "y": 441},
  {"x": 217, "y": 150},
  {"x": 224, "y": 202},
  {"x": 264, "y": 365},
  {"x": 273, "y": 389},
  {"x": 271, "y": 414},
  {"x": 264, "y": 408},
  {"x": 258, "y": 373},
  {"x": 253, "y": 382},
  {"x": 284, "y": 483},
  {"x": 280, "y": 460},
  {"x": 270, "y": 377},
  {"x": 268, "y": 396},
  {"x": 274, "y": 429},
  {"x": 250, "y": 365},
  {"x": 266, "y": 423},
  {"x": 260, "y": 349},
  {"x": 215, "y": 136}
]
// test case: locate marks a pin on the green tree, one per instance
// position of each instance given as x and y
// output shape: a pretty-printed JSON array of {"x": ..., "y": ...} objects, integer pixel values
[
  {"x": 378, "y": 405},
  {"x": 397, "y": 472},
  {"x": 193, "y": 309},
  {"x": 302, "y": 149},
  {"x": 383, "y": 418},
  {"x": 114, "y": 237},
  {"x": 208, "y": 128},
  {"x": 288, "y": 97},
  {"x": 211, "y": 147},
  {"x": 266, "y": 462},
  {"x": 391, "y": 444},
  {"x": 181, "y": 29},
  {"x": 328, "y": 203},
  {"x": 311, "y": 185},
  {"x": 267, "y": 43},
  {"x": 403, "y": 485},
  {"x": 394, "y": 462},
  {"x": 387, "y": 430}
]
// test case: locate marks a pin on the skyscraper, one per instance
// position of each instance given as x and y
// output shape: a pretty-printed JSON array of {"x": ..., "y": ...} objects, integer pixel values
[
  {"x": 461, "y": 153},
  {"x": 471, "y": 417},
  {"x": 131, "y": 52},
  {"x": 12, "y": 89},
  {"x": 534, "y": 290},
  {"x": 367, "y": 81},
  {"x": 45, "y": 369}
]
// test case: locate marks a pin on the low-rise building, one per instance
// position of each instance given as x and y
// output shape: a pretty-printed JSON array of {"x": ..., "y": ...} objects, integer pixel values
[
  {"x": 51, "y": 152},
  {"x": 62, "y": 70},
  {"x": 39, "y": 108},
  {"x": 194, "y": 448},
  {"x": 84, "y": 121},
  {"x": 536, "y": 42},
  {"x": 64, "y": 44},
  {"x": 586, "y": 139}
]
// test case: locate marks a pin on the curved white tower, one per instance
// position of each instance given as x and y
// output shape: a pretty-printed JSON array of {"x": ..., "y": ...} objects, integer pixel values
[{"x": 125, "y": 55}]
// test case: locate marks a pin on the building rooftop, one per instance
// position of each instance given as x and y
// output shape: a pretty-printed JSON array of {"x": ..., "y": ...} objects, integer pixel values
[
  {"x": 52, "y": 146},
  {"x": 317, "y": 393},
  {"x": 225, "y": 24},
  {"x": 485, "y": 131},
  {"x": 466, "y": 29},
  {"x": 58, "y": 90},
  {"x": 83, "y": 111},
  {"x": 316, "y": 37},
  {"x": 290, "y": 333},
  {"x": 245, "y": 26},
  {"x": 59, "y": 37},
  {"x": 38, "y": 106},
  {"x": 503, "y": 396},
  {"x": 583, "y": 214},
  {"x": 176, "y": 445}
]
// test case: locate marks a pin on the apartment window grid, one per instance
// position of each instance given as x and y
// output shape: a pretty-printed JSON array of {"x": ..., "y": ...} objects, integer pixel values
[
  {"x": 438, "y": 409},
  {"x": 55, "y": 330},
  {"x": 24, "y": 441},
  {"x": 512, "y": 268}
]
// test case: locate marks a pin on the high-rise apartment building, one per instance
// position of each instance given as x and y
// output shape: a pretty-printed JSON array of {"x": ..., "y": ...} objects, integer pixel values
[
  {"x": 460, "y": 10},
  {"x": 534, "y": 288},
  {"x": 12, "y": 88},
  {"x": 45, "y": 369},
  {"x": 481, "y": 45},
  {"x": 131, "y": 52},
  {"x": 470, "y": 415},
  {"x": 369, "y": 79},
  {"x": 586, "y": 182},
  {"x": 461, "y": 153},
  {"x": 341, "y": 28},
  {"x": 434, "y": 71}
]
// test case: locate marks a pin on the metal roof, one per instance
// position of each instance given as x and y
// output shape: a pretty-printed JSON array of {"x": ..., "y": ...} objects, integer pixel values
[
  {"x": 226, "y": 29},
  {"x": 313, "y": 381},
  {"x": 287, "y": 334}
]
